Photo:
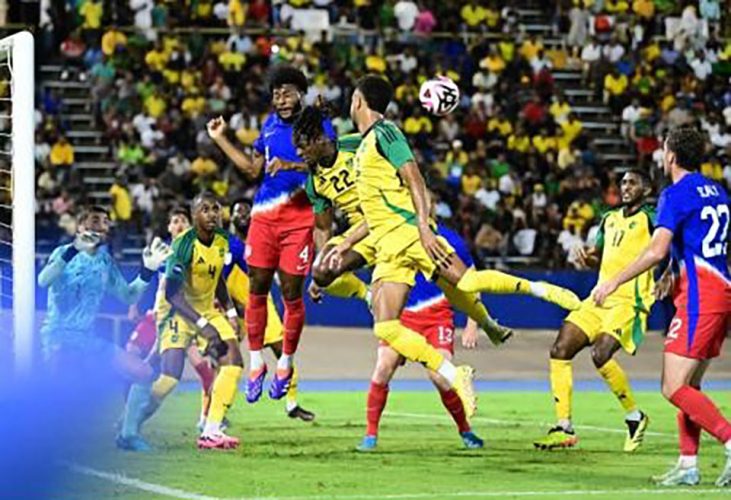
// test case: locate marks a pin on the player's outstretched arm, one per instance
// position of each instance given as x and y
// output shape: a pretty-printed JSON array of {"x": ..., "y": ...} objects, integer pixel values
[
  {"x": 84, "y": 242},
  {"x": 249, "y": 166},
  {"x": 152, "y": 258},
  {"x": 655, "y": 252},
  {"x": 334, "y": 258}
]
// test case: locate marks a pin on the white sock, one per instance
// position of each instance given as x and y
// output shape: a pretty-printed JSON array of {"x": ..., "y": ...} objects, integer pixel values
[
  {"x": 448, "y": 371},
  {"x": 688, "y": 461},
  {"x": 211, "y": 428},
  {"x": 285, "y": 362},
  {"x": 291, "y": 405},
  {"x": 537, "y": 289},
  {"x": 634, "y": 415},
  {"x": 257, "y": 361},
  {"x": 566, "y": 425},
  {"x": 728, "y": 447}
]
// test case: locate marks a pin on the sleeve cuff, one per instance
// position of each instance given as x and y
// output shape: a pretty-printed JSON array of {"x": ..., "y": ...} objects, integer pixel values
[
  {"x": 69, "y": 254},
  {"x": 146, "y": 274}
]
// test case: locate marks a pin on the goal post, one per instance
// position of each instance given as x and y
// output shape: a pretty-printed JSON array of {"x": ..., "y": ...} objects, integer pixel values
[{"x": 18, "y": 64}]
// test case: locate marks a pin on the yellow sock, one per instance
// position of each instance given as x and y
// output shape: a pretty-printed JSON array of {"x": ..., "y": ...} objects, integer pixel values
[
  {"x": 163, "y": 386},
  {"x": 348, "y": 286},
  {"x": 562, "y": 384},
  {"x": 617, "y": 381},
  {"x": 292, "y": 392},
  {"x": 224, "y": 391},
  {"x": 491, "y": 281},
  {"x": 408, "y": 343}
]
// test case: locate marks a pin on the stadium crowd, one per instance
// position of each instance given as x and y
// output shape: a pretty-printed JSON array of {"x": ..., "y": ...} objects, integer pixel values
[{"x": 513, "y": 169}]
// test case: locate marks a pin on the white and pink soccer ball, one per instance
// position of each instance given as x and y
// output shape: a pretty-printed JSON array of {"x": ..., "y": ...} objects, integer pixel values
[{"x": 439, "y": 96}]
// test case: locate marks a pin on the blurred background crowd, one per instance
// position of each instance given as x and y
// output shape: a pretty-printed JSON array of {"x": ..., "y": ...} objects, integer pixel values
[{"x": 558, "y": 97}]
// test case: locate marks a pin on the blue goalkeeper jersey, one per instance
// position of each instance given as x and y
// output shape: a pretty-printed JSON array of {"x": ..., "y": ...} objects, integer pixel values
[{"x": 75, "y": 293}]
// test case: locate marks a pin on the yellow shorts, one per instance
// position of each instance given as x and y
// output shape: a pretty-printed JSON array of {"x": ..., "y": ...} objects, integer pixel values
[
  {"x": 623, "y": 321},
  {"x": 400, "y": 255},
  {"x": 366, "y": 247},
  {"x": 178, "y": 333}
]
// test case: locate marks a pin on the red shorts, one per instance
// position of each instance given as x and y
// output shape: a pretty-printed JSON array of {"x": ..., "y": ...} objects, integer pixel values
[
  {"x": 436, "y": 327},
  {"x": 144, "y": 336},
  {"x": 702, "y": 342},
  {"x": 270, "y": 246}
]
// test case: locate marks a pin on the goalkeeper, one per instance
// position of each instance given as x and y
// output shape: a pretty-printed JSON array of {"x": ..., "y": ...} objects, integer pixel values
[{"x": 78, "y": 276}]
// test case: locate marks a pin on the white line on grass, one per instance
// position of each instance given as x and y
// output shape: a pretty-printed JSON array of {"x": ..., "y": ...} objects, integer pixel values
[{"x": 427, "y": 416}]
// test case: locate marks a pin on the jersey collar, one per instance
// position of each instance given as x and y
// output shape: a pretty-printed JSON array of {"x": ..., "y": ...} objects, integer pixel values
[{"x": 373, "y": 125}]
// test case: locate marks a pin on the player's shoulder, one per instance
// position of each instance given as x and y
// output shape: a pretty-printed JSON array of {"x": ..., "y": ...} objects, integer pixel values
[
  {"x": 271, "y": 120},
  {"x": 649, "y": 211},
  {"x": 349, "y": 143},
  {"x": 387, "y": 130}
]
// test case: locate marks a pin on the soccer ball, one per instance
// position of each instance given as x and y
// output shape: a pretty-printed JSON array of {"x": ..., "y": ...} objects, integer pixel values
[{"x": 439, "y": 96}]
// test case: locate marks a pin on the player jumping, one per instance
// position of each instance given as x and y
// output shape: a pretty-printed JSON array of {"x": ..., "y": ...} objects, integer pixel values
[
  {"x": 693, "y": 223},
  {"x": 78, "y": 276},
  {"x": 237, "y": 282},
  {"x": 280, "y": 236},
  {"x": 193, "y": 281},
  {"x": 624, "y": 232}
]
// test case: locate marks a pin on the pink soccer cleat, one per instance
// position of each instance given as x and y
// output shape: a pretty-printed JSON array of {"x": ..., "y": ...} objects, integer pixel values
[{"x": 217, "y": 441}]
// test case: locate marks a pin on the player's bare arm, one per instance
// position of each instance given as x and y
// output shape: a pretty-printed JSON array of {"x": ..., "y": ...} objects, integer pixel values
[
  {"x": 249, "y": 165},
  {"x": 653, "y": 255},
  {"x": 277, "y": 165},
  {"x": 224, "y": 298},
  {"x": 334, "y": 257},
  {"x": 323, "y": 229}
]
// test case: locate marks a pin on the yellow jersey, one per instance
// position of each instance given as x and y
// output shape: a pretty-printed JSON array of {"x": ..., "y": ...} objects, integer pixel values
[
  {"x": 621, "y": 239},
  {"x": 334, "y": 186},
  {"x": 384, "y": 198},
  {"x": 198, "y": 266}
]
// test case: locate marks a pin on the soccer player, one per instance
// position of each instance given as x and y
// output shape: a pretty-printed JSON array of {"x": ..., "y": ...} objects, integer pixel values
[
  {"x": 193, "y": 281},
  {"x": 693, "y": 223},
  {"x": 238, "y": 286},
  {"x": 280, "y": 236},
  {"x": 331, "y": 184},
  {"x": 620, "y": 323},
  {"x": 78, "y": 276},
  {"x": 428, "y": 313},
  {"x": 396, "y": 207}
]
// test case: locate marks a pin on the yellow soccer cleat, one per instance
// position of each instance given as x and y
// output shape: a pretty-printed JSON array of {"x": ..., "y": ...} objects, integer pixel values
[
  {"x": 635, "y": 433},
  {"x": 560, "y": 296},
  {"x": 557, "y": 437},
  {"x": 497, "y": 333},
  {"x": 464, "y": 386}
]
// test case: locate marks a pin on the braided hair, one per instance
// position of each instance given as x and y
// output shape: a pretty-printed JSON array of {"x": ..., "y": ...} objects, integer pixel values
[{"x": 308, "y": 124}]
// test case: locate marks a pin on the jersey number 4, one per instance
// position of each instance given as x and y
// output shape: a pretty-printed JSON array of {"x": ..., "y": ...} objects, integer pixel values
[{"x": 714, "y": 244}]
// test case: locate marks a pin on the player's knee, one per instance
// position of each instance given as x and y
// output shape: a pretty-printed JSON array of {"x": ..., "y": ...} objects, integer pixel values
[
  {"x": 560, "y": 350},
  {"x": 322, "y": 276},
  {"x": 600, "y": 356}
]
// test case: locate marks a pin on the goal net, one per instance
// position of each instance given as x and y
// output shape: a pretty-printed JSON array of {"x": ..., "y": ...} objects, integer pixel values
[{"x": 17, "y": 196}]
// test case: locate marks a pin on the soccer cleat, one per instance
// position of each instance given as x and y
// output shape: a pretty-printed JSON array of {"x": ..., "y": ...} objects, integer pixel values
[
  {"x": 301, "y": 413},
  {"x": 560, "y": 296},
  {"x": 217, "y": 441},
  {"x": 471, "y": 441},
  {"x": 280, "y": 384},
  {"x": 724, "y": 480},
  {"x": 497, "y": 333},
  {"x": 464, "y": 386},
  {"x": 679, "y": 476},
  {"x": 557, "y": 437},
  {"x": 255, "y": 384},
  {"x": 635, "y": 433},
  {"x": 133, "y": 443},
  {"x": 368, "y": 443}
]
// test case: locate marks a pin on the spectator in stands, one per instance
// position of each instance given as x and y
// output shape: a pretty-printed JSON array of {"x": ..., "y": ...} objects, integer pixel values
[
  {"x": 615, "y": 87},
  {"x": 406, "y": 13},
  {"x": 473, "y": 15},
  {"x": 113, "y": 40},
  {"x": 579, "y": 25},
  {"x": 203, "y": 167},
  {"x": 121, "y": 212},
  {"x": 62, "y": 158}
]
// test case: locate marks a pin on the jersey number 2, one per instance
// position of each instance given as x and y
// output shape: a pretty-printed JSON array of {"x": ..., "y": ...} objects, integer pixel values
[
  {"x": 344, "y": 176},
  {"x": 714, "y": 244}
]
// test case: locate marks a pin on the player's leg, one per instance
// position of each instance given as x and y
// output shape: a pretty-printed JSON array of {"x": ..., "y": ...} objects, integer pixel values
[
  {"x": 602, "y": 354},
  {"x": 571, "y": 339},
  {"x": 260, "y": 280},
  {"x": 206, "y": 375},
  {"x": 292, "y": 407},
  {"x": 471, "y": 280},
  {"x": 386, "y": 365},
  {"x": 340, "y": 281}
]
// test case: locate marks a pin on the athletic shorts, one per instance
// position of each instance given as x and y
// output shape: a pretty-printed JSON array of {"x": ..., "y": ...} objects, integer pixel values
[
  {"x": 144, "y": 337},
  {"x": 435, "y": 324},
  {"x": 623, "y": 321},
  {"x": 270, "y": 246},
  {"x": 697, "y": 337},
  {"x": 365, "y": 247},
  {"x": 400, "y": 255},
  {"x": 177, "y": 333}
]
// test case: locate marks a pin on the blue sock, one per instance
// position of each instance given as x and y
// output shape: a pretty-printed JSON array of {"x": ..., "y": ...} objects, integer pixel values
[{"x": 138, "y": 400}]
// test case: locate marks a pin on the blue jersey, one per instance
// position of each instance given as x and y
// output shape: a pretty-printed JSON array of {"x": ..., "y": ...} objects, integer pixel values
[
  {"x": 281, "y": 198},
  {"x": 236, "y": 249},
  {"x": 75, "y": 293},
  {"x": 425, "y": 293},
  {"x": 696, "y": 211}
]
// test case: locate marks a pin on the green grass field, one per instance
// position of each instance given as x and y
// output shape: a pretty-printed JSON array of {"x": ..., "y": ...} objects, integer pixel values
[{"x": 420, "y": 455}]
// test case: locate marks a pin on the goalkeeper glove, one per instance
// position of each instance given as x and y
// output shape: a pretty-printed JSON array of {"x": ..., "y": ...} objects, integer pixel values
[
  {"x": 155, "y": 254},
  {"x": 87, "y": 241}
]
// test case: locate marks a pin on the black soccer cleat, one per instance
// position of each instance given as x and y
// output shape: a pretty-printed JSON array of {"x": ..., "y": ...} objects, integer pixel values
[{"x": 301, "y": 413}]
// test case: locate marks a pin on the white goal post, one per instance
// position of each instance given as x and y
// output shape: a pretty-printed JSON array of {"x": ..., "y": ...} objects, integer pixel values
[{"x": 17, "y": 55}]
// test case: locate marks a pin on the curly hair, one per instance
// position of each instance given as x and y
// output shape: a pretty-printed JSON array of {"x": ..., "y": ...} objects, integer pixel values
[
  {"x": 308, "y": 124},
  {"x": 285, "y": 74},
  {"x": 688, "y": 144}
]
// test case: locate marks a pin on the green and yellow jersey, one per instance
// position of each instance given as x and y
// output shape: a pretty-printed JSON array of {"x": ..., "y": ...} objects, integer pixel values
[
  {"x": 335, "y": 186},
  {"x": 198, "y": 267},
  {"x": 621, "y": 239},
  {"x": 384, "y": 198}
]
